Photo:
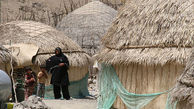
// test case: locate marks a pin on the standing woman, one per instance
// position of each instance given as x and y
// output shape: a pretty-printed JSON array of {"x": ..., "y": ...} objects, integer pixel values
[{"x": 58, "y": 66}]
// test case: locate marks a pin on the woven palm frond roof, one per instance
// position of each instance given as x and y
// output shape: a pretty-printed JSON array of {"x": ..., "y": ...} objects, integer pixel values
[
  {"x": 150, "y": 31},
  {"x": 5, "y": 56},
  {"x": 184, "y": 88},
  {"x": 87, "y": 24},
  {"x": 43, "y": 36}
]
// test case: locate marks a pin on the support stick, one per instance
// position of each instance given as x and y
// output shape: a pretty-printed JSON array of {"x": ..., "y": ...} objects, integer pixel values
[{"x": 11, "y": 64}]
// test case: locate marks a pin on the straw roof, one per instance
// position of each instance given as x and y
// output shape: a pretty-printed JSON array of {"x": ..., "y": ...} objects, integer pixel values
[
  {"x": 45, "y": 37},
  {"x": 87, "y": 24},
  {"x": 150, "y": 31},
  {"x": 4, "y": 55},
  {"x": 184, "y": 89}
]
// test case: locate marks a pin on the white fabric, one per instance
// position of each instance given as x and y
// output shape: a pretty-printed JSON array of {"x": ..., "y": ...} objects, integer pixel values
[
  {"x": 23, "y": 53},
  {"x": 95, "y": 64}
]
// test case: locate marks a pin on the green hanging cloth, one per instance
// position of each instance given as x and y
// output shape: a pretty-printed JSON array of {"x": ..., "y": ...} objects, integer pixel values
[{"x": 110, "y": 87}]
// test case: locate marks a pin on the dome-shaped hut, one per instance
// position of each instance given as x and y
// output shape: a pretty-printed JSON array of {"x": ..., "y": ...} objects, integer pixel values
[
  {"x": 34, "y": 42},
  {"x": 87, "y": 24},
  {"x": 147, "y": 46}
]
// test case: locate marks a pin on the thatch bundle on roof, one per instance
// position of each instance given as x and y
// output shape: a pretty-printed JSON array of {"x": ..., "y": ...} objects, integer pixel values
[
  {"x": 4, "y": 55},
  {"x": 87, "y": 24},
  {"x": 184, "y": 89},
  {"x": 148, "y": 44},
  {"x": 5, "y": 58}
]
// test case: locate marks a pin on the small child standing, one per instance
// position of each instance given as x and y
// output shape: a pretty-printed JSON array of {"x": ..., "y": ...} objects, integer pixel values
[
  {"x": 42, "y": 76},
  {"x": 30, "y": 81}
]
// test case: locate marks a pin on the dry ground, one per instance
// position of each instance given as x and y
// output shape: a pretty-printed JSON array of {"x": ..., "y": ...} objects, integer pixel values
[
  {"x": 72, "y": 104},
  {"x": 89, "y": 103}
]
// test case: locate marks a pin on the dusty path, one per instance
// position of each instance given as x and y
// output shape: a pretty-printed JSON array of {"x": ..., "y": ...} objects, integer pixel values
[{"x": 72, "y": 104}]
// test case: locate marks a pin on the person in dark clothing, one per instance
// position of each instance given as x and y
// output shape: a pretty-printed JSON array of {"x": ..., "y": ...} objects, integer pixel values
[
  {"x": 30, "y": 80},
  {"x": 58, "y": 66}
]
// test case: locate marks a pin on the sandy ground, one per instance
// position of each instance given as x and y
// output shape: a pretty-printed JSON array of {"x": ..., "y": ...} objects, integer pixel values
[
  {"x": 72, "y": 104},
  {"x": 89, "y": 103}
]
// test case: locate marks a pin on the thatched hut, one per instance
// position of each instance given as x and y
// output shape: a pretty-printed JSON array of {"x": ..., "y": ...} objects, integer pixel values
[
  {"x": 148, "y": 45},
  {"x": 183, "y": 92},
  {"x": 32, "y": 43},
  {"x": 5, "y": 58},
  {"x": 87, "y": 24}
]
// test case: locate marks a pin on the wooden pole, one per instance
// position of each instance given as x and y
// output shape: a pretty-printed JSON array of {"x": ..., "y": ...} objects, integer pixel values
[
  {"x": 11, "y": 64},
  {"x": 0, "y": 11}
]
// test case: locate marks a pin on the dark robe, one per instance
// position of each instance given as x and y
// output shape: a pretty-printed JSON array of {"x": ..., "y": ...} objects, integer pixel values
[{"x": 59, "y": 74}]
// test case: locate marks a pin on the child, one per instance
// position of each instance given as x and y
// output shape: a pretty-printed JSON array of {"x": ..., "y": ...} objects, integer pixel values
[
  {"x": 42, "y": 76},
  {"x": 30, "y": 81}
]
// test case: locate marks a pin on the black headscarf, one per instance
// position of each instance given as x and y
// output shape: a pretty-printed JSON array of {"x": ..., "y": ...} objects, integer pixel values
[{"x": 60, "y": 52}]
